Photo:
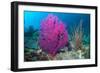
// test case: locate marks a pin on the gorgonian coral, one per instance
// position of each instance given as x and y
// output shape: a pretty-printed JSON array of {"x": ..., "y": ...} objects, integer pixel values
[{"x": 53, "y": 35}]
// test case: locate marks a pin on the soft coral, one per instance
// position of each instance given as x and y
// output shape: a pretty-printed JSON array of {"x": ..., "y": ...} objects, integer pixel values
[{"x": 53, "y": 35}]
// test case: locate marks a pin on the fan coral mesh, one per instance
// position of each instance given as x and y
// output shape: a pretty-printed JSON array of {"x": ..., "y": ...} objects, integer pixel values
[{"x": 53, "y": 35}]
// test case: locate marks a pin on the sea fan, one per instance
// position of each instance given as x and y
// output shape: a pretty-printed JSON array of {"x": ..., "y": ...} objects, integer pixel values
[{"x": 53, "y": 35}]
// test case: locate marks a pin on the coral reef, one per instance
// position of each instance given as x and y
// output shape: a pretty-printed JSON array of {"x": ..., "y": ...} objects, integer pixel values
[{"x": 53, "y": 41}]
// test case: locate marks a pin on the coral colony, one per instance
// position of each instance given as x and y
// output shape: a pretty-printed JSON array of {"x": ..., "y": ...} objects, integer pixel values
[
  {"x": 53, "y": 35},
  {"x": 53, "y": 42}
]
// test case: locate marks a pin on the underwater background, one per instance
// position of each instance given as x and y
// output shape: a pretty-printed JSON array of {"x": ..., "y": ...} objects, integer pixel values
[{"x": 56, "y": 36}]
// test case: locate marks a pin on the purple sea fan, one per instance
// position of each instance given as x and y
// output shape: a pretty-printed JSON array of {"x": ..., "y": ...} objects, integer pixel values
[{"x": 53, "y": 35}]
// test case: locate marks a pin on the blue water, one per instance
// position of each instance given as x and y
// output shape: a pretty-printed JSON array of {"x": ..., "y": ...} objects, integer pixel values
[{"x": 34, "y": 19}]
